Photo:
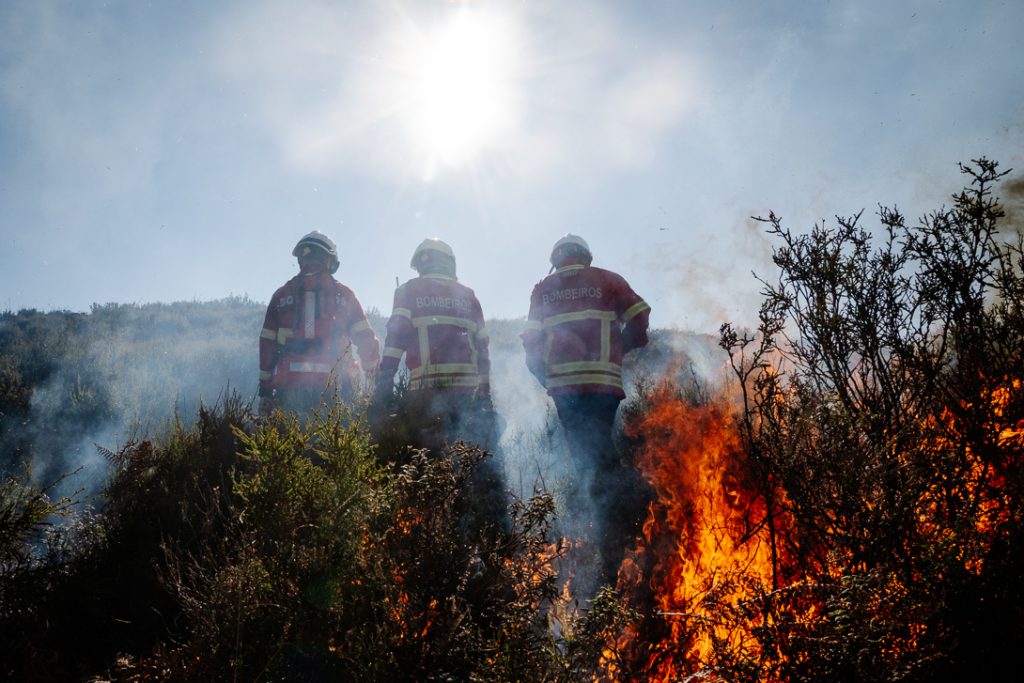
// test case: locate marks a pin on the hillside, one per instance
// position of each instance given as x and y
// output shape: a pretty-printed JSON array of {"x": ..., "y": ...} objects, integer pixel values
[
  {"x": 848, "y": 506},
  {"x": 72, "y": 381}
]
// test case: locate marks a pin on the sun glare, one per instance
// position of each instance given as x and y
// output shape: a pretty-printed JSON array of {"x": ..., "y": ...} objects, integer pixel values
[{"x": 462, "y": 78}]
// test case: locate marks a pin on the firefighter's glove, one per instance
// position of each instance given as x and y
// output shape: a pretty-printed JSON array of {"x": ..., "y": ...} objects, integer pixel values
[
  {"x": 487, "y": 423},
  {"x": 482, "y": 402},
  {"x": 627, "y": 342},
  {"x": 538, "y": 371},
  {"x": 383, "y": 393},
  {"x": 482, "y": 391},
  {"x": 633, "y": 339},
  {"x": 267, "y": 405}
]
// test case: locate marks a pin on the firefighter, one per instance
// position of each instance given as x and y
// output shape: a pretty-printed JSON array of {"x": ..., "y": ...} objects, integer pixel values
[
  {"x": 311, "y": 326},
  {"x": 437, "y": 324},
  {"x": 582, "y": 321}
]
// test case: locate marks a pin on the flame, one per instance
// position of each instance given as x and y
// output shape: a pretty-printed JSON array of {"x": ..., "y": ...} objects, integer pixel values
[
  {"x": 981, "y": 485},
  {"x": 705, "y": 541},
  {"x": 561, "y": 562},
  {"x": 412, "y": 621},
  {"x": 711, "y": 562}
]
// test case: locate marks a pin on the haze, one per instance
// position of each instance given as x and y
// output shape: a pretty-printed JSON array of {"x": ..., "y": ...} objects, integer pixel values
[{"x": 157, "y": 152}]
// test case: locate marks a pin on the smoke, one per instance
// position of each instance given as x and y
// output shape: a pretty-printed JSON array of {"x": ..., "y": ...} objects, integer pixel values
[
  {"x": 130, "y": 370},
  {"x": 531, "y": 447},
  {"x": 64, "y": 425},
  {"x": 125, "y": 375},
  {"x": 1012, "y": 197},
  {"x": 711, "y": 275},
  {"x": 535, "y": 456},
  {"x": 683, "y": 358}
]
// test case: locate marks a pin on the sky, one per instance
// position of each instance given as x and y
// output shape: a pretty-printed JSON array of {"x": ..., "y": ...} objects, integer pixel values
[{"x": 176, "y": 151}]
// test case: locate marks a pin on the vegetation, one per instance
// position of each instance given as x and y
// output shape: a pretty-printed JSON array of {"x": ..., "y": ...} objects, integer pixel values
[
  {"x": 896, "y": 437},
  {"x": 874, "y": 471},
  {"x": 71, "y": 380},
  {"x": 282, "y": 551},
  {"x": 865, "y": 469}
]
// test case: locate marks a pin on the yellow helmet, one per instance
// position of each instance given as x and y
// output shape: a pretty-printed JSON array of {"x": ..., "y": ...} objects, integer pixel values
[
  {"x": 433, "y": 256},
  {"x": 316, "y": 240},
  {"x": 570, "y": 247}
]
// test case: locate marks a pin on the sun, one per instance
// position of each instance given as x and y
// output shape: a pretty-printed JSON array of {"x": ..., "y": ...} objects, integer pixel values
[{"x": 461, "y": 87}]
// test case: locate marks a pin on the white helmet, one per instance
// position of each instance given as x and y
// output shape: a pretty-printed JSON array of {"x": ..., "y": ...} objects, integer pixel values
[
  {"x": 432, "y": 256},
  {"x": 318, "y": 240},
  {"x": 570, "y": 246}
]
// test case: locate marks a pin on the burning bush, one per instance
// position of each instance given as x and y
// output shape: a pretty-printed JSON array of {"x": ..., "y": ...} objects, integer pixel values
[{"x": 856, "y": 512}]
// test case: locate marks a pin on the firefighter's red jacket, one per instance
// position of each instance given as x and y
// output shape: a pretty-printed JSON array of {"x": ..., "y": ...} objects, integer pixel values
[
  {"x": 438, "y": 325},
  {"x": 308, "y": 334},
  {"x": 581, "y": 321}
]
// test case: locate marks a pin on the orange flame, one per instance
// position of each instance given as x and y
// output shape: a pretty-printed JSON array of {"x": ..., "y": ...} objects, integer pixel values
[
  {"x": 705, "y": 540},
  {"x": 709, "y": 563}
]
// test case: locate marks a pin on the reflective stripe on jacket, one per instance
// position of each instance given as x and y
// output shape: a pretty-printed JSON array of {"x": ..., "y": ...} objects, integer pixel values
[
  {"x": 581, "y": 322},
  {"x": 311, "y": 325},
  {"x": 438, "y": 325}
]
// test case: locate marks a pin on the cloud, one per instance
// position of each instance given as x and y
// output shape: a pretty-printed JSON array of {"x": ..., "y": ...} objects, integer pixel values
[
  {"x": 330, "y": 84},
  {"x": 140, "y": 131},
  {"x": 91, "y": 118},
  {"x": 639, "y": 111},
  {"x": 1011, "y": 194},
  {"x": 708, "y": 277}
]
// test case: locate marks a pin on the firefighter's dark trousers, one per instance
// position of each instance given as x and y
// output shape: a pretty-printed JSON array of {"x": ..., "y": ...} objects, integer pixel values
[
  {"x": 604, "y": 486},
  {"x": 305, "y": 398},
  {"x": 445, "y": 418}
]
